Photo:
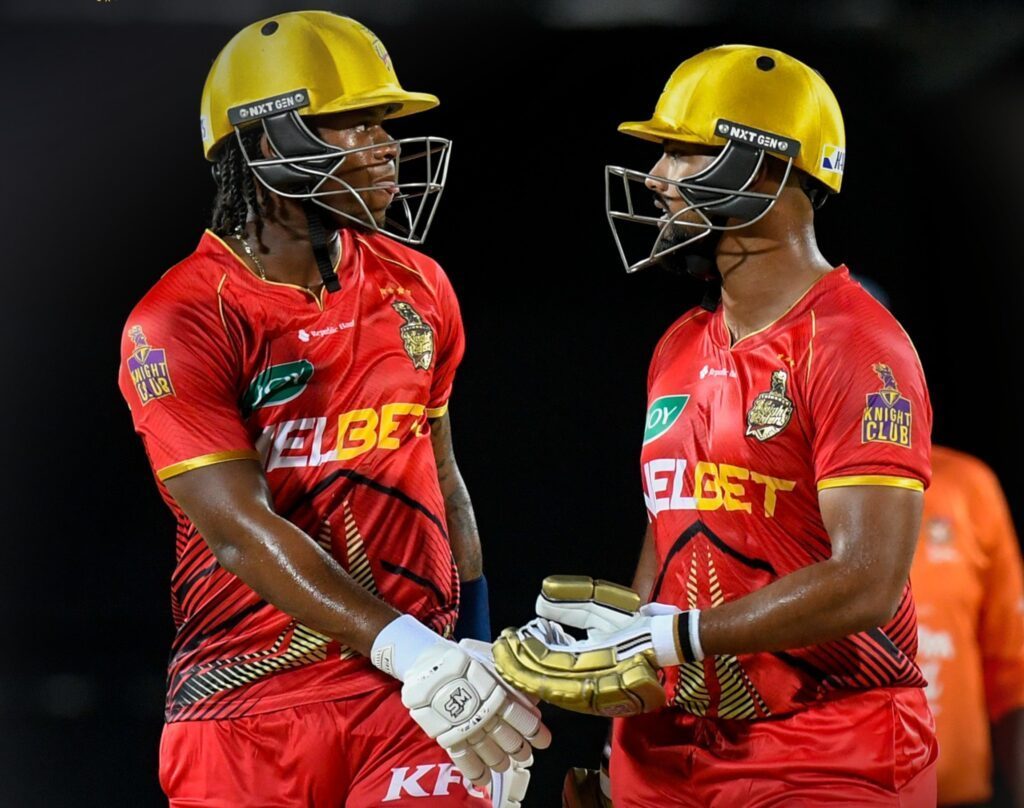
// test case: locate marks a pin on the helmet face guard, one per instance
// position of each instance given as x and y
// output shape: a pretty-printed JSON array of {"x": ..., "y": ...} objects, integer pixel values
[
  {"x": 304, "y": 167},
  {"x": 715, "y": 194}
]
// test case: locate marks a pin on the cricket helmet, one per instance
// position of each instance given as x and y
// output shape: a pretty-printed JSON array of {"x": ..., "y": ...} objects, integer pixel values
[
  {"x": 753, "y": 103},
  {"x": 277, "y": 72}
]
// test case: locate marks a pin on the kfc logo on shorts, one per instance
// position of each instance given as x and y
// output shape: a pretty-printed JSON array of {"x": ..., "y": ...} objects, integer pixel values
[{"x": 429, "y": 780}]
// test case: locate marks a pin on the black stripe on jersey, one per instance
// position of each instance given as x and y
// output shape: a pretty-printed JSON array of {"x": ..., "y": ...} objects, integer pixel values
[
  {"x": 194, "y": 578},
  {"x": 405, "y": 572},
  {"x": 355, "y": 476},
  {"x": 883, "y": 640},
  {"x": 684, "y": 539},
  {"x": 218, "y": 628},
  {"x": 801, "y": 665}
]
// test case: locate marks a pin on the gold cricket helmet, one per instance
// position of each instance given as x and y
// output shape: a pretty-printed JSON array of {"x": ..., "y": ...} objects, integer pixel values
[
  {"x": 313, "y": 62},
  {"x": 751, "y": 103},
  {"x": 782, "y": 104},
  {"x": 274, "y": 74}
]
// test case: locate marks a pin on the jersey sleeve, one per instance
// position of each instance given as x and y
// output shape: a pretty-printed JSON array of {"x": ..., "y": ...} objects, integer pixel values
[
  {"x": 1001, "y": 621},
  {"x": 870, "y": 411},
  {"x": 451, "y": 345},
  {"x": 179, "y": 374}
]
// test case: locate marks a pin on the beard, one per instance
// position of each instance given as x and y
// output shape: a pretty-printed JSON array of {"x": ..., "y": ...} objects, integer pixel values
[{"x": 697, "y": 259}]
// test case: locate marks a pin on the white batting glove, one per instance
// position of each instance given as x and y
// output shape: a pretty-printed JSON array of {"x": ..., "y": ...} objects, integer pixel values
[
  {"x": 459, "y": 701},
  {"x": 508, "y": 788}
]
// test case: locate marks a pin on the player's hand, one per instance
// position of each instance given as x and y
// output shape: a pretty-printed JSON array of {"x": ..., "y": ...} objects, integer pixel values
[
  {"x": 582, "y": 789},
  {"x": 508, "y": 788},
  {"x": 600, "y": 607},
  {"x": 613, "y": 671},
  {"x": 466, "y": 707}
]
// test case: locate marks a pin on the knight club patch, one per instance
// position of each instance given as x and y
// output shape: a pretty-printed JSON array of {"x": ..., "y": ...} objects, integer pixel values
[
  {"x": 417, "y": 336},
  {"x": 148, "y": 368},
  {"x": 772, "y": 410},
  {"x": 887, "y": 415}
]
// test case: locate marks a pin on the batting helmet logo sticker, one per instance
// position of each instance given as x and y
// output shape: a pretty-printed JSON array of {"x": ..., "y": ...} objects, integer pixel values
[{"x": 833, "y": 158}]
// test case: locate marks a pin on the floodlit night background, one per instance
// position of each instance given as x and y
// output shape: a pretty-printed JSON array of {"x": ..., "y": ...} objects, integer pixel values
[{"x": 105, "y": 187}]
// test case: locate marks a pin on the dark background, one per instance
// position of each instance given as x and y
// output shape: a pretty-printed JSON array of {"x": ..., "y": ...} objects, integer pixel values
[{"x": 105, "y": 188}]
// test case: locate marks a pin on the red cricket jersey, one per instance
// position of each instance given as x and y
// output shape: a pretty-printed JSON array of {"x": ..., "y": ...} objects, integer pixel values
[
  {"x": 739, "y": 441},
  {"x": 332, "y": 394}
]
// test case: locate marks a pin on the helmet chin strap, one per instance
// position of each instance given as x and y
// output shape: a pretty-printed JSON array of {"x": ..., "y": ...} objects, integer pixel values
[{"x": 321, "y": 251}]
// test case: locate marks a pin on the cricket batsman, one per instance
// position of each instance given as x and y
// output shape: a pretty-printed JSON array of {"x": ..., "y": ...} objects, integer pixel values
[
  {"x": 765, "y": 655},
  {"x": 290, "y": 382}
]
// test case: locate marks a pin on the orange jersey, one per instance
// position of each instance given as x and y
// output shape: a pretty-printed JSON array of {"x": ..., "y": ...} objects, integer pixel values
[{"x": 967, "y": 583}]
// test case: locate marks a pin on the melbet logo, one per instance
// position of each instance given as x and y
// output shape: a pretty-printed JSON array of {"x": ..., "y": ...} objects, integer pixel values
[
  {"x": 303, "y": 442},
  {"x": 710, "y": 487}
]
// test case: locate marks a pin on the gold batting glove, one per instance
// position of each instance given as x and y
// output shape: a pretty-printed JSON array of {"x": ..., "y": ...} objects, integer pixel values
[{"x": 613, "y": 672}]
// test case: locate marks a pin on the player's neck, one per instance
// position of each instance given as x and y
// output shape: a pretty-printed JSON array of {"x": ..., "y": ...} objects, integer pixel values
[
  {"x": 763, "y": 276},
  {"x": 286, "y": 253}
]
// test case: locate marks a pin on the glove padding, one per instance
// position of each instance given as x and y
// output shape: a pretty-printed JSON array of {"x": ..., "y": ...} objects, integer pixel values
[
  {"x": 579, "y": 601},
  {"x": 480, "y": 722},
  {"x": 508, "y": 788},
  {"x": 613, "y": 671}
]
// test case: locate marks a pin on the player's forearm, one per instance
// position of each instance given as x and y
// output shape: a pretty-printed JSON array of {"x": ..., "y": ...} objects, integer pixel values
[
  {"x": 820, "y": 603},
  {"x": 286, "y": 568},
  {"x": 1008, "y": 745},
  {"x": 646, "y": 567},
  {"x": 462, "y": 529}
]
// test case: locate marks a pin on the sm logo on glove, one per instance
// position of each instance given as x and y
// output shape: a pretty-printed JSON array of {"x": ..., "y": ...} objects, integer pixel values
[
  {"x": 456, "y": 704},
  {"x": 458, "y": 700}
]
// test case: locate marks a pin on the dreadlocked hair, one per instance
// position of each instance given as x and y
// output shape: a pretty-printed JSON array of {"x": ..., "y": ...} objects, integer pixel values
[{"x": 236, "y": 186}]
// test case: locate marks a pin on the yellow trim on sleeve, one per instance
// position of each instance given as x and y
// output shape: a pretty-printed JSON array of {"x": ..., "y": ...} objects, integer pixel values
[
  {"x": 437, "y": 412},
  {"x": 206, "y": 460},
  {"x": 871, "y": 479}
]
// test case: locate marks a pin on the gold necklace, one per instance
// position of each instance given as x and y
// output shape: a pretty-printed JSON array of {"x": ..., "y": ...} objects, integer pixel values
[{"x": 252, "y": 256}]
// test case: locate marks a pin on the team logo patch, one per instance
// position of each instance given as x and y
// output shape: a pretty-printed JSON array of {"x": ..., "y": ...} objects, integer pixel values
[
  {"x": 887, "y": 416},
  {"x": 378, "y": 46},
  {"x": 148, "y": 368},
  {"x": 417, "y": 336},
  {"x": 276, "y": 385},
  {"x": 662, "y": 414},
  {"x": 833, "y": 159},
  {"x": 771, "y": 411}
]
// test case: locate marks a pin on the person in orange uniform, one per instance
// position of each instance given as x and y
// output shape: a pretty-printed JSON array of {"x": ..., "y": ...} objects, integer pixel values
[{"x": 969, "y": 588}]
